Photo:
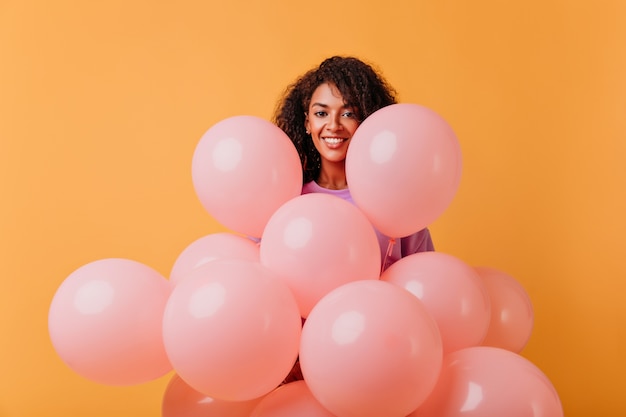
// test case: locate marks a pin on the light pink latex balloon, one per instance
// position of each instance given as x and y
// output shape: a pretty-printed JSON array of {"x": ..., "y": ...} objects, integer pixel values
[
  {"x": 317, "y": 242},
  {"x": 452, "y": 292},
  {"x": 403, "y": 167},
  {"x": 243, "y": 169},
  {"x": 180, "y": 400},
  {"x": 512, "y": 314},
  {"x": 232, "y": 330},
  {"x": 490, "y": 382},
  {"x": 105, "y": 322},
  {"x": 370, "y": 349},
  {"x": 211, "y": 247},
  {"x": 290, "y": 400}
]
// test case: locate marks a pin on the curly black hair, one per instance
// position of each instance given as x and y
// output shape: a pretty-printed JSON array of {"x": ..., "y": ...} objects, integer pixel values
[{"x": 361, "y": 86}]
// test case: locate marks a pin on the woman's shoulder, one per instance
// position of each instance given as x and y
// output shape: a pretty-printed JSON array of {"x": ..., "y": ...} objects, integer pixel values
[
  {"x": 310, "y": 187},
  {"x": 417, "y": 242}
]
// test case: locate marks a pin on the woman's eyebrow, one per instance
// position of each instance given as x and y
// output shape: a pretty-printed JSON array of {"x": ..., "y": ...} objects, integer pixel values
[{"x": 345, "y": 106}]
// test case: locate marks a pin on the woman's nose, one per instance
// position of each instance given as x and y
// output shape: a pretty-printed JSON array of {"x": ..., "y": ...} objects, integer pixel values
[{"x": 334, "y": 123}]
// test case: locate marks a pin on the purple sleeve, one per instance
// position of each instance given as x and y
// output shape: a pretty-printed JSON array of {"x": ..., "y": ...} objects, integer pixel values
[{"x": 417, "y": 242}]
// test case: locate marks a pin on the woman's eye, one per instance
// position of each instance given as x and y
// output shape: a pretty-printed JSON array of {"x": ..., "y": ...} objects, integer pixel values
[
  {"x": 349, "y": 114},
  {"x": 320, "y": 113}
]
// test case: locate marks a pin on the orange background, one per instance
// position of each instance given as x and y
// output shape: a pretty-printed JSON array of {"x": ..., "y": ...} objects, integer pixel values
[{"x": 102, "y": 104}]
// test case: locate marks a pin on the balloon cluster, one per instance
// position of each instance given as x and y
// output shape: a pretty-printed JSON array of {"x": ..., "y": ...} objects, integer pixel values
[{"x": 298, "y": 286}]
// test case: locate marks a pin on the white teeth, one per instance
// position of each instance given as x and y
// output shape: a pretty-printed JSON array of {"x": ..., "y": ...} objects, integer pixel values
[{"x": 333, "y": 141}]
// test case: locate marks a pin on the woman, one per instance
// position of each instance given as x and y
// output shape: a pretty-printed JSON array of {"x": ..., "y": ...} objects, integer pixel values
[{"x": 320, "y": 112}]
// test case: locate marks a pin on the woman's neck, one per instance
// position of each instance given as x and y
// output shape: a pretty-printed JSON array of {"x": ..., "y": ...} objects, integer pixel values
[{"x": 333, "y": 176}]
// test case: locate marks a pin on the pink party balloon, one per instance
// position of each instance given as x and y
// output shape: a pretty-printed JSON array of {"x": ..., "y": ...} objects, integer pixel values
[
  {"x": 180, "y": 400},
  {"x": 212, "y": 247},
  {"x": 105, "y": 322},
  {"x": 490, "y": 382},
  {"x": 317, "y": 242},
  {"x": 370, "y": 349},
  {"x": 232, "y": 330},
  {"x": 243, "y": 169},
  {"x": 512, "y": 314},
  {"x": 290, "y": 400},
  {"x": 403, "y": 167},
  {"x": 452, "y": 292}
]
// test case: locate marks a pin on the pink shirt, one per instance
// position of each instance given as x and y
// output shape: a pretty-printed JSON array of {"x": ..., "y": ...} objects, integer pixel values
[{"x": 417, "y": 242}]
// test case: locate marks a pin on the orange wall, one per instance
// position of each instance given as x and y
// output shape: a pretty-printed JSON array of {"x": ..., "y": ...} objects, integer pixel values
[{"x": 102, "y": 104}]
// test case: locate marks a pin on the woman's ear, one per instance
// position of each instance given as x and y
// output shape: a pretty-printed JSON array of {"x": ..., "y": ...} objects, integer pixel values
[{"x": 306, "y": 123}]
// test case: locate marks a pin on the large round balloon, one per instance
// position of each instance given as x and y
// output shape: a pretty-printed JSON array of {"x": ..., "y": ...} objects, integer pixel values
[
  {"x": 403, "y": 168},
  {"x": 180, "y": 400},
  {"x": 290, "y": 400},
  {"x": 512, "y": 314},
  {"x": 490, "y": 382},
  {"x": 210, "y": 248},
  {"x": 370, "y": 349},
  {"x": 452, "y": 292},
  {"x": 105, "y": 322},
  {"x": 232, "y": 330},
  {"x": 317, "y": 242},
  {"x": 243, "y": 169}
]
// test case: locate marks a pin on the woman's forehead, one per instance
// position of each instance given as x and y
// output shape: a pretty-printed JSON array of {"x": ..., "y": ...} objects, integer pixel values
[{"x": 328, "y": 93}]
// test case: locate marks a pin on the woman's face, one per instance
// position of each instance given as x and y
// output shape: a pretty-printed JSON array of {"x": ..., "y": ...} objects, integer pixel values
[{"x": 331, "y": 123}]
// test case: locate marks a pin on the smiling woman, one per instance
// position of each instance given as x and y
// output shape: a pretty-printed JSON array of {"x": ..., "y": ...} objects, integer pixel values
[
  {"x": 339, "y": 94},
  {"x": 320, "y": 112}
]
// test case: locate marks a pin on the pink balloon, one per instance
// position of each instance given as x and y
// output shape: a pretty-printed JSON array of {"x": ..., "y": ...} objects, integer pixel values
[
  {"x": 290, "y": 400},
  {"x": 403, "y": 167},
  {"x": 370, "y": 349},
  {"x": 452, "y": 292},
  {"x": 317, "y": 242},
  {"x": 512, "y": 314},
  {"x": 180, "y": 400},
  {"x": 232, "y": 330},
  {"x": 490, "y": 382},
  {"x": 243, "y": 169},
  {"x": 105, "y": 322},
  {"x": 211, "y": 247}
]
